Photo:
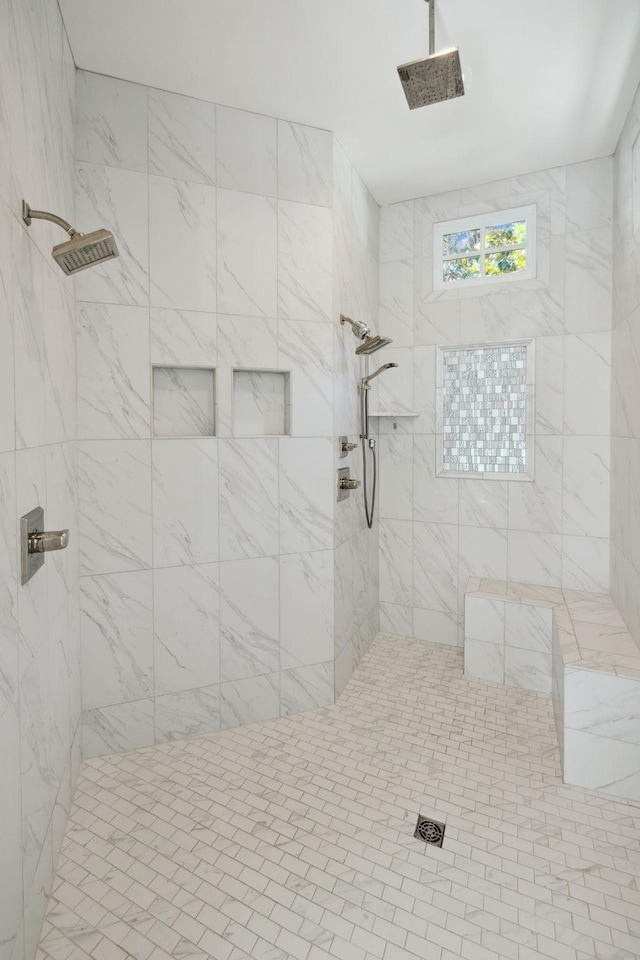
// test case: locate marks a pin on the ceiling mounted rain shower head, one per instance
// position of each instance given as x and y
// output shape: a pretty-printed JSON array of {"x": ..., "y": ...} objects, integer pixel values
[
  {"x": 371, "y": 344},
  {"x": 82, "y": 250},
  {"x": 436, "y": 78}
]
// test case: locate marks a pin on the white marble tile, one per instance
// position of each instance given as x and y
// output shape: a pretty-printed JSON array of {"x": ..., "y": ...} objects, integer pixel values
[
  {"x": 111, "y": 121},
  {"x": 397, "y": 232},
  {"x": 537, "y": 506},
  {"x": 184, "y": 402},
  {"x": 528, "y": 627},
  {"x": 250, "y": 700},
  {"x": 305, "y": 261},
  {"x": 248, "y": 343},
  {"x": 435, "y": 499},
  {"x": 11, "y": 834},
  {"x": 306, "y": 609},
  {"x": 248, "y": 498},
  {"x": 261, "y": 404},
  {"x": 7, "y": 395},
  {"x": 125, "y": 726},
  {"x": 435, "y": 562},
  {"x": 8, "y": 577},
  {"x": 305, "y": 163},
  {"x": 114, "y": 505},
  {"x": 485, "y": 661},
  {"x": 585, "y": 494},
  {"x": 36, "y": 780},
  {"x": 397, "y": 619},
  {"x": 395, "y": 477},
  {"x": 588, "y": 296},
  {"x": 183, "y": 337},
  {"x": 436, "y": 321},
  {"x": 424, "y": 389},
  {"x": 527, "y": 669},
  {"x": 117, "y": 638},
  {"x": 435, "y": 626},
  {"x": 60, "y": 363},
  {"x": 396, "y": 301},
  {"x": 484, "y": 619},
  {"x": 586, "y": 384},
  {"x": 306, "y": 350},
  {"x": 182, "y": 244},
  {"x": 29, "y": 346},
  {"x": 185, "y": 501},
  {"x": 32, "y": 605},
  {"x": 396, "y": 561},
  {"x": 306, "y": 688},
  {"x": 115, "y": 200},
  {"x": 344, "y": 667},
  {"x": 549, "y": 385},
  {"x": 602, "y": 763},
  {"x": 483, "y": 553},
  {"x": 186, "y": 628},
  {"x": 62, "y": 512},
  {"x": 247, "y": 254},
  {"x": 113, "y": 372},
  {"x": 182, "y": 137},
  {"x": 249, "y": 618},
  {"x": 483, "y": 504},
  {"x": 247, "y": 152},
  {"x": 589, "y": 195},
  {"x": 534, "y": 558},
  {"x": 602, "y": 705},
  {"x": 393, "y": 389},
  {"x": 585, "y": 563},
  {"x": 344, "y": 602},
  {"x": 5, "y": 104},
  {"x": 187, "y": 714},
  {"x": 307, "y": 493}
]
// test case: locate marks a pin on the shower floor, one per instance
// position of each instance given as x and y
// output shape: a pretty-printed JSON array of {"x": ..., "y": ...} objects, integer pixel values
[{"x": 294, "y": 838}]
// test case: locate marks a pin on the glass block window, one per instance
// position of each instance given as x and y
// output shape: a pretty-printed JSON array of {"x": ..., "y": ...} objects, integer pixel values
[
  {"x": 491, "y": 247},
  {"x": 485, "y": 411}
]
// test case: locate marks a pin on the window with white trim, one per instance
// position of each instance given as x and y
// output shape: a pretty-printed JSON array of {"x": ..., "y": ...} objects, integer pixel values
[{"x": 489, "y": 248}]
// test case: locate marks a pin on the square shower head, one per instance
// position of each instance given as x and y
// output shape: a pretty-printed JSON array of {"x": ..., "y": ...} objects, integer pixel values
[{"x": 436, "y": 78}]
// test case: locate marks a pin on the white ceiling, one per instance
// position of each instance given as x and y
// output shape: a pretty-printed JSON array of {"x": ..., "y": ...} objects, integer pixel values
[{"x": 550, "y": 81}]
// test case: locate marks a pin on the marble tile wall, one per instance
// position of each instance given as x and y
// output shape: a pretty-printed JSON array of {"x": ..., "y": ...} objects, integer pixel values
[
  {"x": 435, "y": 532},
  {"x": 39, "y": 626},
  {"x": 625, "y": 398},
  {"x": 208, "y": 562}
]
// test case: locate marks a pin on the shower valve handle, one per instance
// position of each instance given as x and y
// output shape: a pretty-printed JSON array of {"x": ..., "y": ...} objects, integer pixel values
[
  {"x": 51, "y": 540},
  {"x": 347, "y": 484}
]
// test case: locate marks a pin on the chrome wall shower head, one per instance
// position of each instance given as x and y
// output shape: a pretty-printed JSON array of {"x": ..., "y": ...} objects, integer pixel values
[
  {"x": 435, "y": 78},
  {"x": 371, "y": 344},
  {"x": 81, "y": 250},
  {"x": 358, "y": 328}
]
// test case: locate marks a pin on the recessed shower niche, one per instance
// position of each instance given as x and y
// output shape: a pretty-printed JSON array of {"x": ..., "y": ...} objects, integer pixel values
[
  {"x": 261, "y": 405},
  {"x": 184, "y": 402}
]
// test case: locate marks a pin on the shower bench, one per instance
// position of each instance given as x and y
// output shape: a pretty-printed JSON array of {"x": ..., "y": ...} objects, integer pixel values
[{"x": 575, "y": 646}]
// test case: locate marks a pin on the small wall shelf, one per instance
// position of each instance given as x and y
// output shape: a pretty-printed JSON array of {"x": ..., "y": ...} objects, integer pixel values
[
  {"x": 261, "y": 406},
  {"x": 183, "y": 402},
  {"x": 394, "y": 415}
]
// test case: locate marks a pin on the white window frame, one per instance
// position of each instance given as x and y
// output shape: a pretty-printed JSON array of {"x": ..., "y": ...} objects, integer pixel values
[{"x": 482, "y": 221}]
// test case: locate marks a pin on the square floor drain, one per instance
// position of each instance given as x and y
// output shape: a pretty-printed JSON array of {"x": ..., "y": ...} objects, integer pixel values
[{"x": 430, "y": 831}]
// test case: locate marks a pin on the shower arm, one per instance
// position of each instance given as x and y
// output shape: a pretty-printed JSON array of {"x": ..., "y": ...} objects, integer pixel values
[{"x": 28, "y": 214}]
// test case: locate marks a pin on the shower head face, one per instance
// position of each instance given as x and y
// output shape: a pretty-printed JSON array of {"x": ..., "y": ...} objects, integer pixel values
[
  {"x": 85, "y": 250},
  {"x": 371, "y": 344},
  {"x": 432, "y": 80}
]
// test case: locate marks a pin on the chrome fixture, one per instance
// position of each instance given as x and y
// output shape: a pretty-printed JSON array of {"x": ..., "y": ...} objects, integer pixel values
[
  {"x": 362, "y": 332},
  {"x": 34, "y": 543},
  {"x": 345, "y": 483},
  {"x": 365, "y": 386},
  {"x": 345, "y": 447},
  {"x": 82, "y": 250},
  {"x": 435, "y": 78}
]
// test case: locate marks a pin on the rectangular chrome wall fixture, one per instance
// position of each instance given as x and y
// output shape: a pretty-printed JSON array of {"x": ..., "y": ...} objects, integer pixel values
[{"x": 35, "y": 542}]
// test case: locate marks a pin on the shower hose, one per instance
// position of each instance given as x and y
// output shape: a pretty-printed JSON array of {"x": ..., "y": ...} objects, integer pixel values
[{"x": 368, "y": 507}]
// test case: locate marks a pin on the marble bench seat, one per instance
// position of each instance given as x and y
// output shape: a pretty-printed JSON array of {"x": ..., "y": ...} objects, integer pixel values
[{"x": 576, "y": 646}]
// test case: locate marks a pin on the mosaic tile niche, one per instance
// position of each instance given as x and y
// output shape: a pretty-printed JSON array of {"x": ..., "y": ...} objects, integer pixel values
[{"x": 485, "y": 410}]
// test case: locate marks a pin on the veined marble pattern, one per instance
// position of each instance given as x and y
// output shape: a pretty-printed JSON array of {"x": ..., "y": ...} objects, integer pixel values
[
  {"x": 249, "y": 618},
  {"x": 396, "y": 301},
  {"x": 7, "y": 391},
  {"x": 246, "y": 152},
  {"x": 182, "y": 137},
  {"x": 306, "y": 688},
  {"x": 117, "y": 200},
  {"x": 249, "y": 700},
  {"x": 182, "y": 244},
  {"x": 9, "y": 589},
  {"x": 185, "y": 501},
  {"x": 187, "y": 714},
  {"x": 111, "y": 121},
  {"x": 115, "y": 505},
  {"x": 28, "y": 332},
  {"x": 183, "y": 402},
  {"x": 396, "y": 561},
  {"x": 115, "y": 339},
  {"x": 306, "y": 609},
  {"x": 304, "y": 163},
  {"x": 247, "y": 254},
  {"x": 117, "y": 638},
  {"x": 182, "y": 337},
  {"x": 186, "y": 627},
  {"x": 260, "y": 403},
  {"x": 248, "y": 498},
  {"x": 117, "y": 728},
  {"x": 306, "y": 494},
  {"x": 305, "y": 349},
  {"x": 304, "y": 261}
]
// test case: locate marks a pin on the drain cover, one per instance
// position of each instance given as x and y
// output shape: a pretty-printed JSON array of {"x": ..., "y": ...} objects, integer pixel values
[{"x": 430, "y": 831}]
